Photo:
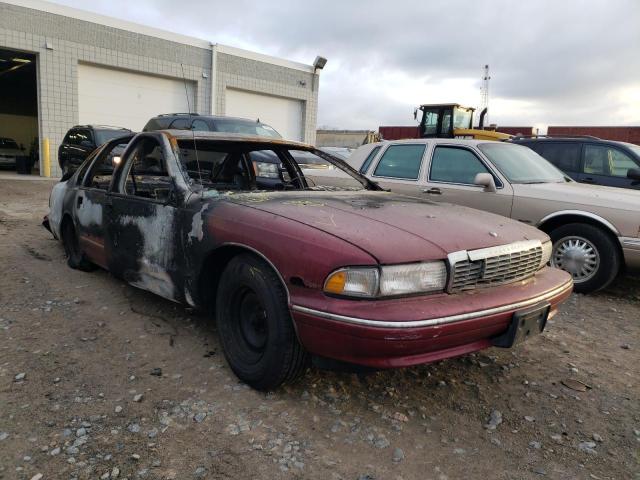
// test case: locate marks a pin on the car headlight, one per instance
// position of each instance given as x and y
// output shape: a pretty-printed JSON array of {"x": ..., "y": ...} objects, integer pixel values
[
  {"x": 390, "y": 280},
  {"x": 266, "y": 169},
  {"x": 547, "y": 248}
]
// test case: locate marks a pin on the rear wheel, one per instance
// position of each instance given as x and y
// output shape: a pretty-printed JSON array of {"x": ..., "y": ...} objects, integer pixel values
[
  {"x": 255, "y": 326},
  {"x": 587, "y": 253},
  {"x": 75, "y": 256}
]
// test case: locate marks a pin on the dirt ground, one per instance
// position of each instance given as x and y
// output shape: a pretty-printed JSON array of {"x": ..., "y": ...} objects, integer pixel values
[{"x": 100, "y": 380}]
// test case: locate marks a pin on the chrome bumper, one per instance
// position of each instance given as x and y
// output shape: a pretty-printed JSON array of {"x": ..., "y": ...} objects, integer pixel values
[
  {"x": 564, "y": 288},
  {"x": 631, "y": 251}
]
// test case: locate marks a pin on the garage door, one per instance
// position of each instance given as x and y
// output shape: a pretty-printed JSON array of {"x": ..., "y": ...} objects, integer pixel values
[
  {"x": 124, "y": 99},
  {"x": 283, "y": 114}
]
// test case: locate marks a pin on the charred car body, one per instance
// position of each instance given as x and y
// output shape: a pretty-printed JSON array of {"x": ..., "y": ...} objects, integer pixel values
[{"x": 345, "y": 271}]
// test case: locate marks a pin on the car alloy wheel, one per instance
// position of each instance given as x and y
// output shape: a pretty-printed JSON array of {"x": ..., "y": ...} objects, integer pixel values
[{"x": 578, "y": 256}]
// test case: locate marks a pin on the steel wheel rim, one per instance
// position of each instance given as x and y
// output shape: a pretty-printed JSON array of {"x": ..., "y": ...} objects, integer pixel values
[{"x": 578, "y": 256}]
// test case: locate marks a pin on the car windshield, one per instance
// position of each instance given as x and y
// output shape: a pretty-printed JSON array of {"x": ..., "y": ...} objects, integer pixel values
[
  {"x": 521, "y": 164},
  {"x": 8, "y": 143},
  {"x": 255, "y": 167},
  {"x": 233, "y": 125},
  {"x": 103, "y": 136}
]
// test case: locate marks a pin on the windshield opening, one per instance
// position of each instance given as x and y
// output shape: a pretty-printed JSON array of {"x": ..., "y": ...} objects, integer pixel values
[
  {"x": 253, "y": 167},
  {"x": 521, "y": 164}
]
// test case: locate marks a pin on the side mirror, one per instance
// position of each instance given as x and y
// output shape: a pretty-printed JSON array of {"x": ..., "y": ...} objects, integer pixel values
[
  {"x": 485, "y": 180},
  {"x": 633, "y": 174}
]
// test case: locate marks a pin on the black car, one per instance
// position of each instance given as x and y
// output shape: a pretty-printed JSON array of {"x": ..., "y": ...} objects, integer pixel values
[
  {"x": 81, "y": 140},
  {"x": 210, "y": 123},
  {"x": 589, "y": 159}
]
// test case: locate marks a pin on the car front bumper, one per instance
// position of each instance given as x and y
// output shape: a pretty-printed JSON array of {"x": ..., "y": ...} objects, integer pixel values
[
  {"x": 7, "y": 161},
  {"x": 631, "y": 251},
  {"x": 411, "y": 331}
]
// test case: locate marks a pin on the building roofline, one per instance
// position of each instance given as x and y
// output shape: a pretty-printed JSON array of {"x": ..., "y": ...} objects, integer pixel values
[{"x": 126, "y": 25}]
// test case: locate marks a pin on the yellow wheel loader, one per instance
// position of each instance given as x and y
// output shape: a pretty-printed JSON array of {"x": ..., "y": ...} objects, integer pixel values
[{"x": 451, "y": 120}]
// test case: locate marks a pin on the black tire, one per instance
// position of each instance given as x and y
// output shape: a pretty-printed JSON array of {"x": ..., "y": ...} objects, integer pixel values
[
  {"x": 254, "y": 325},
  {"x": 604, "y": 247},
  {"x": 75, "y": 256}
]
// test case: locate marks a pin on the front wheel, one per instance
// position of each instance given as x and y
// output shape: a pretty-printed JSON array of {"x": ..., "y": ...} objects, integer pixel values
[
  {"x": 587, "y": 253},
  {"x": 255, "y": 326}
]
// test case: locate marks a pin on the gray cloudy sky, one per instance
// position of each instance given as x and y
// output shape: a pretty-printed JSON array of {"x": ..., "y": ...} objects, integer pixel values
[{"x": 552, "y": 62}]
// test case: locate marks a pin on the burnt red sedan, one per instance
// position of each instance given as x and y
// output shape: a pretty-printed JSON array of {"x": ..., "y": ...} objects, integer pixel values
[{"x": 325, "y": 263}]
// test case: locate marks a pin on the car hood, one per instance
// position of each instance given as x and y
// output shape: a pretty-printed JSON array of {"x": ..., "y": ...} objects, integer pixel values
[
  {"x": 574, "y": 194},
  {"x": 392, "y": 228}
]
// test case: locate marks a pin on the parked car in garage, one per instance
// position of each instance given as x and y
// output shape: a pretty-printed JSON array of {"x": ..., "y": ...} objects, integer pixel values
[
  {"x": 210, "y": 123},
  {"x": 351, "y": 273},
  {"x": 81, "y": 140},
  {"x": 9, "y": 152},
  {"x": 589, "y": 159},
  {"x": 595, "y": 230}
]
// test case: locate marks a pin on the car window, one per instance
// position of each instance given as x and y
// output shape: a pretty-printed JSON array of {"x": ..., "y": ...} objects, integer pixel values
[
  {"x": 565, "y": 156},
  {"x": 181, "y": 124},
  {"x": 102, "y": 169},
  {"x": 455, "y": 165},
  {"x": 431, "y": 122},
  {"x": 401, "y": 161},
  {"x": 72, "y": 138},
  {"x": 521, "y": 164},
  {"x": 83, "y": 135},
  {"x": 200, "y": 126},
  {"x": 8, "y": 143},
  {"x": 604, "y": 160},
  {"x": 103, "y": 136},
  {"x": 369, "y": 159},
  {"x": 248, "y": 127},
  {"x": 147, "y": 175}
]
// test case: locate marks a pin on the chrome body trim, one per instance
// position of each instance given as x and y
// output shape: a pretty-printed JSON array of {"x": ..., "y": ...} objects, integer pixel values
[
  {"x": 582, "y": 213},
  {"x": 630, "y": 242},
  {"x": 435, "y": 321}
]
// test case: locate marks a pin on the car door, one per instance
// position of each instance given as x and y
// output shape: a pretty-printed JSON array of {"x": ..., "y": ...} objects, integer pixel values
[
  {"x": 143, "y": 242},
  {"x": 91, "y": 200},
  {"x": 450, "y": 178},
  {"x": 607, "y": 165},
  {"x": 400, "y": 168}
]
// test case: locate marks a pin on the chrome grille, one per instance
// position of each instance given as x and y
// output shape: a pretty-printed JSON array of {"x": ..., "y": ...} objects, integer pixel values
[{"x": 494, "y": 266}]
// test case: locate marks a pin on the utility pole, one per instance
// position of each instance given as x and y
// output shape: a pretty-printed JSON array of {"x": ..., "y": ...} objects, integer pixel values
[{"x": 484, "y": 93}]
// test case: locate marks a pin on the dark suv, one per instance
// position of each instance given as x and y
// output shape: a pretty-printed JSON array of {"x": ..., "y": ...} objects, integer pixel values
[
  {"x": 210, "y": 123},
  {"x": 590, "y": 159},
  {"x": 81, "y": 140}
]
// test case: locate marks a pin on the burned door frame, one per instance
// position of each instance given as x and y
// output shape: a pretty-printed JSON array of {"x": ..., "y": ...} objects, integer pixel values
[
  {"x": 89, "y": 213},
  {"x": 143, "y": 234}
]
